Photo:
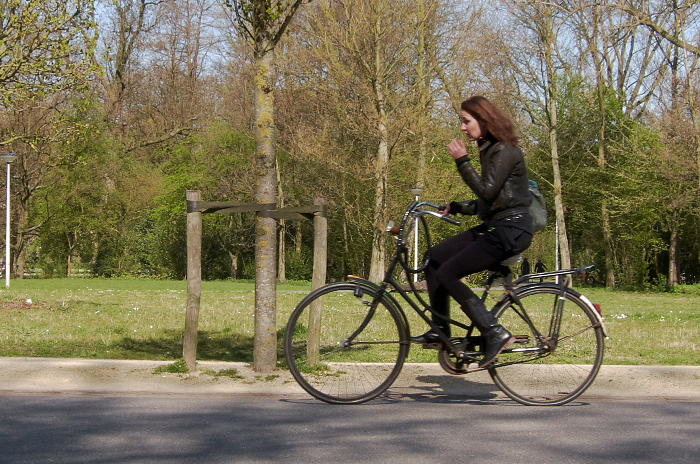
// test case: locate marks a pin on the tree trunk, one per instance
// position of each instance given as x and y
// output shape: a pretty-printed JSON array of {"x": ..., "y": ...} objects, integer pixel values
[
  {"x": 71, "y": 251},
  {"x": 605, "y": 214},
  {"x": 281, "y": 263},
  {"x": 672, "y": 264},
  {"x": 234, "y": 265},
  {"x": 609, "y": 252},
  {"x": 377, "y": 266},
  {"x": 602, "y": 162},
  {"x": 563, "y": 250},
  {"x": 423, "y": 84},
  {"x": 423, "y": 89},
  {"x": 18, "y": 256},
  {"x": 346, "y": 245},
  {"x": 265, "y": 342}
]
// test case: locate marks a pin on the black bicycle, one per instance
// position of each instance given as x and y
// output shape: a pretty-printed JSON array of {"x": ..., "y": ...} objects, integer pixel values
[{"x": 346, "y": 342}]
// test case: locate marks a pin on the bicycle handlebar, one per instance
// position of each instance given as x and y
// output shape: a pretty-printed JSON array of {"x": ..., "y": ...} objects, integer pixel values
[
  {"x": 437, "y": 215},
  {"x": 424, "y": 212},
  {"x": 412, "y": 217}
]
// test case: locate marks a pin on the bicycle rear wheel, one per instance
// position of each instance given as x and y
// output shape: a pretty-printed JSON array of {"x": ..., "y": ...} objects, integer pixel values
[
  {"x": 548, "y": 376},
  {"x": 332, "y": 370}
]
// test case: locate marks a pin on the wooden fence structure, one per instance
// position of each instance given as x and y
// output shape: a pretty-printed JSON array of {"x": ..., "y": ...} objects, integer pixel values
[{"x": 196, "y": 207}]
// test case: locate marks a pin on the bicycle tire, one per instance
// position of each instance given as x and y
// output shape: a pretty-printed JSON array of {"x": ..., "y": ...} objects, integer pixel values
[
  {"x": 351, "y": 374},
  {"x": 566, "y": 372}
]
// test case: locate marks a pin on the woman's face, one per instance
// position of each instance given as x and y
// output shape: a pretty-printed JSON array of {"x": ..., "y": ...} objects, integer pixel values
[{"x": 470, "y": 126}]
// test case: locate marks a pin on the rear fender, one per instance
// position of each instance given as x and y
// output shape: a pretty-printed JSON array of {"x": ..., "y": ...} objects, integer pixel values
[
  {"x": 585, "y": 300},
  {"x": 595, "y": 311}
]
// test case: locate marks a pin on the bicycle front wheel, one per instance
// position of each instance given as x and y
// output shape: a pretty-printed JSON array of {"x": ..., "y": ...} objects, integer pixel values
[
  {"x": 324, "y": 357},
  {"x": 542, "y": 370}
]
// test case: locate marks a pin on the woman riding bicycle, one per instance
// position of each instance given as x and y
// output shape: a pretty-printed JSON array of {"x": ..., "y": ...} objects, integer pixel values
[{"x": 502, "y": 204}]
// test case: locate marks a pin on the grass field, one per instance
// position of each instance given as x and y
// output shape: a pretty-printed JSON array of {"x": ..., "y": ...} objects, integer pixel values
[{"x": 144, "y": 319}]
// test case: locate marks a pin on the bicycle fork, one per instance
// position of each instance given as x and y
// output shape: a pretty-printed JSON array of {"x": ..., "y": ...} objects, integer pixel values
[{"x": 358, "y": 293}]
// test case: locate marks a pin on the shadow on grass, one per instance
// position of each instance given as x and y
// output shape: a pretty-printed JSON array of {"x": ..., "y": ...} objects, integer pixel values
[{"x": 211, "y": 346}]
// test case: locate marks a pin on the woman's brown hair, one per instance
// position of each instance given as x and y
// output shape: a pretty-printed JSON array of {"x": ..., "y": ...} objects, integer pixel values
[{"x": 492, "y": 121}]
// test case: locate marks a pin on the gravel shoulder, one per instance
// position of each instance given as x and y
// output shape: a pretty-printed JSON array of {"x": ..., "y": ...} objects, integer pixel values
[{"x": 116, "y": 377}]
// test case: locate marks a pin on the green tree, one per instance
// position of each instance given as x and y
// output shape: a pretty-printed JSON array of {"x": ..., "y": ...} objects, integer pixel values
[
  {"x": 46, "y": 48},
  {"x": 46, "y": 51},
  {"x": 218, "y": 162}
]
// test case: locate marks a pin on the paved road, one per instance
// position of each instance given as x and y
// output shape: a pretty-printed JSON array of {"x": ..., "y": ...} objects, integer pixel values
[
  {"x": 106, "y": 429},
  {"x": 98, "y": 411}
]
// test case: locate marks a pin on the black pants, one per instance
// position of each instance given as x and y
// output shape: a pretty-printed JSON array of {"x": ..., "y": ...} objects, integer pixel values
[{"x": 466, "y": 253}]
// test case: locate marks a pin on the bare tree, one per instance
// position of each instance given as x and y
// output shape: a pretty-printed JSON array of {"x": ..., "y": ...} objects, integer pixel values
[
  {"x": 364, "y": 45},
  {"x": 46, "y": 48},
  {"x": 126, "y": 21},
  {"x": 625, "y": 61},
  {"x": 46, "y": 59},
  {"x": 542, "y": 22},
  {"x": 680, "y": 163}
]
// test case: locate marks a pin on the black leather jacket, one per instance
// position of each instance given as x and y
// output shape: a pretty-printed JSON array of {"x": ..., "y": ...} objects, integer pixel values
[{"x": 501, "y": 189}]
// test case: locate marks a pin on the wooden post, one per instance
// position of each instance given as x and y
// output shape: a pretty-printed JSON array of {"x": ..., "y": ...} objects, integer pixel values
[
  {"x": 194, "y": 283},
  {"x": 318, "y": 279}
]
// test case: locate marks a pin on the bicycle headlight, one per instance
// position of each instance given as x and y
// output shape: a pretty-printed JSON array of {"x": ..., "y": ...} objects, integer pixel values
[{"x": 392, "y": 228}]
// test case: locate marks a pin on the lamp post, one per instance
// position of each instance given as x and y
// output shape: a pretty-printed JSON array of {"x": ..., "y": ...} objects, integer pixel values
[
  {"x": 7, "y": 158},
  {"x": 416, "y": 191}
]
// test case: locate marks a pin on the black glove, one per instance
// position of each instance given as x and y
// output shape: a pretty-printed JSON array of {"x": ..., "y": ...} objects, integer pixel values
[
  {"x": 445, "y": 209},
  {"x": 463, "y": 207}
]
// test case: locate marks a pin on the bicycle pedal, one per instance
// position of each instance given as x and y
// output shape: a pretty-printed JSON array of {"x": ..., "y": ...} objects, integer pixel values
[
  {"x": 522, "y": 339},
  {"x": 431, "y": 346},
  {"x": 470, "y": 356}
]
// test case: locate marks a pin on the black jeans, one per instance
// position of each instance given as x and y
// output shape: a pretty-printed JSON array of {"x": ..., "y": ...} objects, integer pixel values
[{"x": 466, "y": 253}]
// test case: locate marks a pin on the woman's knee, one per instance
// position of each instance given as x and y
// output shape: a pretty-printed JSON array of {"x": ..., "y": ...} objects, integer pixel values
[{"x": 447, "y": 275}]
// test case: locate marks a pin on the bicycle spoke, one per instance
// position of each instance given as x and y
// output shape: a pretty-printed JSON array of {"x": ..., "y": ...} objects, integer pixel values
[
  {"x": 334, "y": 366},
  {"x": 555, "y": 376}
]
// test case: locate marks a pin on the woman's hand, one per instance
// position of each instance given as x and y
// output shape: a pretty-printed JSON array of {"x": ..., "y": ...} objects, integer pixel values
[{"x": 456, "y": 149}]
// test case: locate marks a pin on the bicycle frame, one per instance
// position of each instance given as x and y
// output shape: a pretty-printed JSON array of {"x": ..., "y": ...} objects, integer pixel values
[{"x": 546, "y": 344}]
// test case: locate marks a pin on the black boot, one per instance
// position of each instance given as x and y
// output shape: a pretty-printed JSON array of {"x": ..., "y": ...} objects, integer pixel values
[
  {"x": 440, "y": 304},
  {"x": 431, "y": 336},
  {"x": 496, "y": 339}
]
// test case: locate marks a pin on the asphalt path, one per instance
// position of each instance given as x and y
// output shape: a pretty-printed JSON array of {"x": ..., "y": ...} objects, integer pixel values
[
  {"x": 106, "y": 429},
  {"x": 105, "y": 411}
]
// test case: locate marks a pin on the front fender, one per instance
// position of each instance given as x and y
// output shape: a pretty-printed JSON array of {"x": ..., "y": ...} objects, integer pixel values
[{"x": 387, "y": 295}]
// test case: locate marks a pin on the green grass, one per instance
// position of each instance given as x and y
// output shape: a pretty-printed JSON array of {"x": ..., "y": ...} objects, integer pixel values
[
  {"x": 651, "y": 328},
  {"x": 130, "y": 318},
  {"x": 144, "y": 319},
  {"x": 178, "y": 367}
]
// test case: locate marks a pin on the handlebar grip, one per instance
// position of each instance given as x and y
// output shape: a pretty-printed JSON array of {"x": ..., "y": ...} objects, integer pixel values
[{"x": 452, "y": 220}]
